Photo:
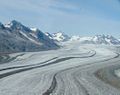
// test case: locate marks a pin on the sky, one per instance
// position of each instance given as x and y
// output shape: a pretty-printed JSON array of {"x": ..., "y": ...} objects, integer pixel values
[{"x": 73, "y": 17}]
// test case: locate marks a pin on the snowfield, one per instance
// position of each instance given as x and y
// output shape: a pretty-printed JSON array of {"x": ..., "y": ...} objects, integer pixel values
[{"x": 74, "y": 69}]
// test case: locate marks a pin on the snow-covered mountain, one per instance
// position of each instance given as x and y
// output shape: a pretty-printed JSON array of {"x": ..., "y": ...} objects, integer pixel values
[
  {"x": 59, "y": 36},
  {"x": 98, "y": 39},
  {"x": 14, "y": 37}
]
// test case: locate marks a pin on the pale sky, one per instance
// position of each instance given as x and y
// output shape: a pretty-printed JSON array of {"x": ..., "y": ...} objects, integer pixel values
[{"x": 73, "y": 17}]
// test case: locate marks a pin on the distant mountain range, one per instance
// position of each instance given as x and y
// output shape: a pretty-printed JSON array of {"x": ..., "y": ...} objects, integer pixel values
[
  {"x": 98, "y": 39},
  {"x": 59, "y": 36},
  {"x": 15, "y": 37}
]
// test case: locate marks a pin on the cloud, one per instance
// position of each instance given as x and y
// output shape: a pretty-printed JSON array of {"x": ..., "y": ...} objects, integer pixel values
[
  {"x": 23, "y": 5},
  {"x": 64, "y": 6},
  {"x": 36, "y": 6},
  {"x": 66, "y": 15}
]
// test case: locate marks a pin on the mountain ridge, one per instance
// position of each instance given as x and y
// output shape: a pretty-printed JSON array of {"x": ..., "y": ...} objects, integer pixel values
[
  {"x": 15, "y": 37},
  {"x": 97, "y": 39}
]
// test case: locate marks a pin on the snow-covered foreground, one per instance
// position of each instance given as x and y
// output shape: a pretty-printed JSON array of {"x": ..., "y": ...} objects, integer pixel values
[{"x": 72, "y": 70}]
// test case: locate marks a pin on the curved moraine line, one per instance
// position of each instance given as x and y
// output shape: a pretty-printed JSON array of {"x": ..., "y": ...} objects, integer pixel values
[
  {"x": 26, "y": 69},
  {"x": 92, "y": 52},
  {"x": 15, "y": 67},
  {"x": 50, "y": 81},
  {"x": 22, "y": 69},
  {"x": 6, "y": 58},
  {"x": 57, "y": 80}
]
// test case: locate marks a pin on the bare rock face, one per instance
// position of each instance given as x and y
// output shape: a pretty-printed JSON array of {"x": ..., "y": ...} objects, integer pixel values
[{"x": 15, "y": 37}]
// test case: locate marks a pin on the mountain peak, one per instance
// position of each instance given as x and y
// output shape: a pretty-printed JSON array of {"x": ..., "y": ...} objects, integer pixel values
[
  {"x": 106, "y": 39},
  {"x": 15, "y": 22},
  {"x": 16, "y": 25},
  {"x": 12, "y": 23},
  {"x": 60, "y": 36}
]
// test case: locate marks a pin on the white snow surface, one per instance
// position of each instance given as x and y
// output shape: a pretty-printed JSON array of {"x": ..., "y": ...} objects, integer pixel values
[
  {"x": 34, "y": 29},
  {"x": 66, "y": 71}
]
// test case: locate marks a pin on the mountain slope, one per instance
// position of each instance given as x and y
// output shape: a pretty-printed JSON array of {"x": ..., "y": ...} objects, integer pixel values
[{"x": 15, "y": 37}]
